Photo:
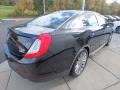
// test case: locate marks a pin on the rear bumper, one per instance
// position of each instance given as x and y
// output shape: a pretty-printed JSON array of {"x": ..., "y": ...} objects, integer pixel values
[
  {"x": 56, "y": 66},
  {"x": 27, "y": 72}
]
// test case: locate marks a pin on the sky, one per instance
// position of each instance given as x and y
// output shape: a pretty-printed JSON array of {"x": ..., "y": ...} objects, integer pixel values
[{"x": 110, "y": 1}]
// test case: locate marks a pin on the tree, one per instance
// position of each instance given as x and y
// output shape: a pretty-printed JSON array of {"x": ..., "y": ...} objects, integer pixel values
[
  {"x": 67, "y": 4},
  {"x": 8, "y": 2},
  {"x": 49, "y": 5},
  {"x": 22, "y": 5},
  {"x": 4, "y": 2},
  {"x": 101, "y": 7},
  {"x": 114, "y": 8},
  {"x": 38, "y": 6}
]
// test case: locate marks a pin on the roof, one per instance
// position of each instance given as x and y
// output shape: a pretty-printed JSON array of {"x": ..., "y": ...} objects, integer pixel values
[{"x": 77, "y": 11}]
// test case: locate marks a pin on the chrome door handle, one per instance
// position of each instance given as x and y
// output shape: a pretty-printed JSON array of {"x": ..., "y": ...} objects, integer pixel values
[{"x": 92, "y": 34}]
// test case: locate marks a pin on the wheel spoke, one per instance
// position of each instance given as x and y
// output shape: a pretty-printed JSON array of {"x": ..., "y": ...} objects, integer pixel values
[{"x": 80, "y": 64}]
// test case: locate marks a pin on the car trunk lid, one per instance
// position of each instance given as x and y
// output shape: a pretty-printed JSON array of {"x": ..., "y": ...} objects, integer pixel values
[{"x": 20, "y": 39}]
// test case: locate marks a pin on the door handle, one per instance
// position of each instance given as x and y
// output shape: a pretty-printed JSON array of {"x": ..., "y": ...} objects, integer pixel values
[
  {"x": 77, "y": 34},
  {"x": 92, "y": 34},
  {"x": 104, "y": 31}
]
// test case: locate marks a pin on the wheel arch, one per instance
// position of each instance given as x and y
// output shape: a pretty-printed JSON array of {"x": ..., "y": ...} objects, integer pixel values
[
  {"x": 88, "y": 49},
  {"x": 84, "y": 47},
  {"x": 117, "y": 28}
]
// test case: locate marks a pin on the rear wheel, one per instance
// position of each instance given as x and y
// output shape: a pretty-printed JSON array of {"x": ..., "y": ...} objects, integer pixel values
[{"x": 80, "y": 63}]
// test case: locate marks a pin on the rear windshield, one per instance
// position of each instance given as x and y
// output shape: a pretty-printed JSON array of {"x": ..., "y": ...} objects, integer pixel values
[{"x": 53, "y": 20}]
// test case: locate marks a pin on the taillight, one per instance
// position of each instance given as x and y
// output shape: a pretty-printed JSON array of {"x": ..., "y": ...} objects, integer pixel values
[{"x": 39, "y": 47}]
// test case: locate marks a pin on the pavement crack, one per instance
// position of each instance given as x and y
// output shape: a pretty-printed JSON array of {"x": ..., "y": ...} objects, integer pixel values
[
  {"x": 111, "y": 85},
  {"x": 4, "y": 71},
  {"x": 111, "y": 49},
  {"x": 105, "y": 68},
  {"x": 8, "y": 80},
  {"x": 67, "y": 83}
]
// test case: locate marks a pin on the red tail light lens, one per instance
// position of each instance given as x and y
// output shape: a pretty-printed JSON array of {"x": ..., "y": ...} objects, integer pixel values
[{"x": 39, "y": 47}]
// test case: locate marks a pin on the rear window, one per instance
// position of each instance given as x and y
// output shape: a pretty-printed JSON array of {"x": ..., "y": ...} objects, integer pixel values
[{"x": 53, "y": 20}]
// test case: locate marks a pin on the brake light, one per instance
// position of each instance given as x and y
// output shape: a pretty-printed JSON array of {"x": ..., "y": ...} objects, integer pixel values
[{"x": 39, "y": 47}]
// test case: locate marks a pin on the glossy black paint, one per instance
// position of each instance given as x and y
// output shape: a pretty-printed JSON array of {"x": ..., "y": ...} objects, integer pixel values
[{"x": 60, "y": 56}]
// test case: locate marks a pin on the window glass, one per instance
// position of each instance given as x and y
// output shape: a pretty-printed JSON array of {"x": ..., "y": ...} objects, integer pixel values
[
  {"x": 101, "y": 20},
  {"x": 92, "y": 20},
  {"x": 53, "y": 20},
  {"x": 76, "y": 23}
]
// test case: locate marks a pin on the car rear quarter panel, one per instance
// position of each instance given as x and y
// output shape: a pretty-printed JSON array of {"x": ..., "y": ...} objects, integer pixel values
[
  {"x": 63, "y": 48},
  {"x": 62, "y": 52}
]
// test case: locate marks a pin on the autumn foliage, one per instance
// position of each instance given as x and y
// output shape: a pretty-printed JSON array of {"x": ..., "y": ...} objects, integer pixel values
[
  {"x": 22, "y": 6},
  {"x": 35, "y": 7}
]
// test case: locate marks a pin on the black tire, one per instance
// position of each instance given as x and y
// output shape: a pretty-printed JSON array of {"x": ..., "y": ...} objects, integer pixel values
[
  {"x": 109, "y": 39},
  {"x": 80, "y": 62},
  {"x": 118, "y": 30}
]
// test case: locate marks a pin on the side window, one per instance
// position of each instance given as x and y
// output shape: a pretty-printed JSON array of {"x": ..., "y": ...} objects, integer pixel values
[
  {"x": 101, "y": 20},
  {"x": 76, "y": 23},
  {"x": 92, "y": 20}
]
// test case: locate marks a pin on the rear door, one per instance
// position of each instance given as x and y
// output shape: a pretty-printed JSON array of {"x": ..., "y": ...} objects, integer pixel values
[
  {"x": 84, "y": 27},
  {"x": 105, "y": 30},
  {"x": 94, "y": 40}
]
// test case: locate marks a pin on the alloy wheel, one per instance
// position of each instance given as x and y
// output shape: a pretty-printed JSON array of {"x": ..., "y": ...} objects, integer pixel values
[{"x": 81, "y": 62}]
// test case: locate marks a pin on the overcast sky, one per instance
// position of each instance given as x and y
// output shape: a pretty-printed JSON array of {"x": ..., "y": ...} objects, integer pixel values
[{"x": 110, "y": 1}]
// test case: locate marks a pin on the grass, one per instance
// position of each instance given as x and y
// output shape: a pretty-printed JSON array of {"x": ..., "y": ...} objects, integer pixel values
[{"x": 5, "y": 11}]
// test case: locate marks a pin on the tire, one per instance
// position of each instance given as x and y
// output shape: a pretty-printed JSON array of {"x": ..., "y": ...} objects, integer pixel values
[
  {"x": 109, "y": 40},
  {"x": 118, "y": 30},
  {"x": 80, "y": 63}
]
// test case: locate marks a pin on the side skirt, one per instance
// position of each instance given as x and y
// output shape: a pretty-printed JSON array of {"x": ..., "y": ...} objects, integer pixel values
[{"x": 91, "y": 54}]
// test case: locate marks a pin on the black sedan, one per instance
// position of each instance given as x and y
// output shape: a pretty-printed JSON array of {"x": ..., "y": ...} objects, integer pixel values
[{"x": 56, "y": 44}]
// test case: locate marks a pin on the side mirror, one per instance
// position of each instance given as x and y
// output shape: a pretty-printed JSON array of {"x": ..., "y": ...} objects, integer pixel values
[{"x": 110, "y": 24}]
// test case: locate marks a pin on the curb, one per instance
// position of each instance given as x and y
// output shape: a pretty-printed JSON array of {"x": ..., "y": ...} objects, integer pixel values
[{"x": 17, "y": 19}]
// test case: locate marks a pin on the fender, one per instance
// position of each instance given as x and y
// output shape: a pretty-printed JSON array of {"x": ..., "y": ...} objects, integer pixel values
[
  {"x": 84, "y": 47},
  {"x": 82, "y": 40}
]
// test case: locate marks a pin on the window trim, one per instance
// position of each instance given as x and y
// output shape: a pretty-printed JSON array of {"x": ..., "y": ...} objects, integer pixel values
[
  {"x": 59, "y": 28},
  {"x": 74, "y": 17},
  {"x": 97, "y": 19},
  {"x": 79, "y": 15},
  {"x": 94, "y": 16}
]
